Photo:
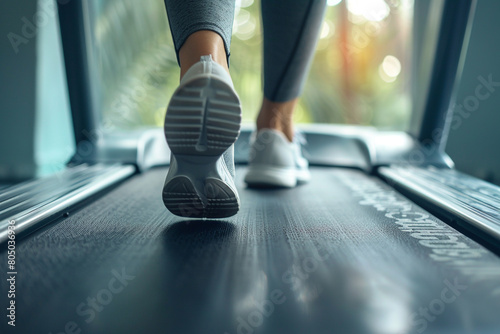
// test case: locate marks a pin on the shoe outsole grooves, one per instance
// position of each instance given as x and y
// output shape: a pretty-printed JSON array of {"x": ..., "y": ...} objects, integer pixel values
[
  {"x": 182, "y": 199},
  {"x": 203, "y": 119}
]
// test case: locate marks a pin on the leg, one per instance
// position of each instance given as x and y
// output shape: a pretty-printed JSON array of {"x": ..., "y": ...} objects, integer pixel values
[
  {"x": 203, "y": 117},
  {"x": 291, "y": 29},
  {"x": 201, "y": 27}
]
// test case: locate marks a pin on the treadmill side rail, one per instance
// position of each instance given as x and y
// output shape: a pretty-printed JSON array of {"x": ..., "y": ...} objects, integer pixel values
[
  {"x": 472, "y": 200},
  {"x": 28, "y": 205}
]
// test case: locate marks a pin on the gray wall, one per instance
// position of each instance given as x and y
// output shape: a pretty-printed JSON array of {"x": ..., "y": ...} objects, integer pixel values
[
  {"x": 474, "y": 142},
  {"x": 35, "y": 125},
  {"x": 17, "y": 89}
]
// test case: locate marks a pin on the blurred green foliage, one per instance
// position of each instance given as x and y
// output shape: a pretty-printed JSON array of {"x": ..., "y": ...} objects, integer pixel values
[{"x": 360, "y": 74}]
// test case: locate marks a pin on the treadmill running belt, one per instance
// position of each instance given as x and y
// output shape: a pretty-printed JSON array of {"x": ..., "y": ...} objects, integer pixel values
[{"x": 342, "y": 254}]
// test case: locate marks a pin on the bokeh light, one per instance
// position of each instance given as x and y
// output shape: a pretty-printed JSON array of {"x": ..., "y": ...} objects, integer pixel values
[
  {"x": 332, "y": 3},
  {"x": 244, "y": 25},
  {"x": 327, "y": 29},
  {"x": 243, "y": 3},
  {"x": 371, "y": 10},
  {"x": 391, "y": 66}
]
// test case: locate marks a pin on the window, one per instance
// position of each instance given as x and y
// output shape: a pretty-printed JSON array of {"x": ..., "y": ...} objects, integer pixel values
[{"x": 360, "y": 75}]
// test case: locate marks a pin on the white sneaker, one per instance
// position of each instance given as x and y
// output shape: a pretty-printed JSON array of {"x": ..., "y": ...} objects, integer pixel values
[
  {"x": 201, "y": 125},
  {"x": 276, "y": 162}
]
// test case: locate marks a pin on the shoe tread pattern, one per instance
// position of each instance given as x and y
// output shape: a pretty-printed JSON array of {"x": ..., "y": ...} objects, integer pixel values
[
  {"x": 203, "y": 118},
  {"x": 216, "y": 200}
]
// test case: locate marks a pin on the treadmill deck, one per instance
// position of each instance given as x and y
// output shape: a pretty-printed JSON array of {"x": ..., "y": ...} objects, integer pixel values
[{"x": 342, "y": 254}]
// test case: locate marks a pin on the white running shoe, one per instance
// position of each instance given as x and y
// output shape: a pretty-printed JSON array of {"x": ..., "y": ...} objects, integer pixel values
[
  {"x": 201, "y": 125},
  {"x": 276, "y": 162}
]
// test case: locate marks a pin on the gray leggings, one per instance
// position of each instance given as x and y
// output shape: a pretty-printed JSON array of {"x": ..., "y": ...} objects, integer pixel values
[{"x": 291, "y": 29}]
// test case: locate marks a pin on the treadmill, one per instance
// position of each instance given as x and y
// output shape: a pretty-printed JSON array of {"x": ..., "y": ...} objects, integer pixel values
[{"x": 386, "y": 238}]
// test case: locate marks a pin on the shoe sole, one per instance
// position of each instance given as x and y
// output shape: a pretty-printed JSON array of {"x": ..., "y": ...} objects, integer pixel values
[{"x": 203, "y": 120}]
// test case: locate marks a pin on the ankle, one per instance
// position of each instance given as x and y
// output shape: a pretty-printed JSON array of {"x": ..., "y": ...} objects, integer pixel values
[
  {"x": 202, "y": 43},
  {"x": 285, "y": 128},
  {"x": 277, "y": 116}
]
